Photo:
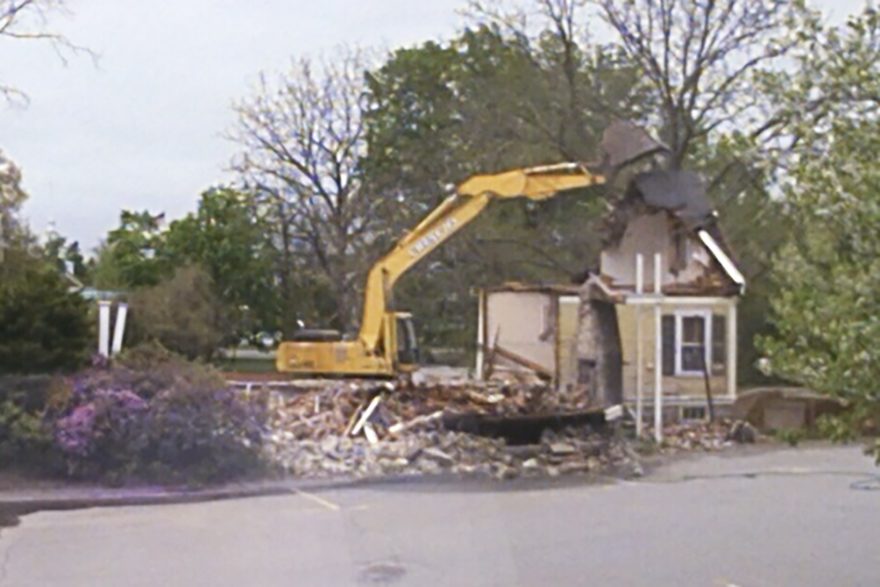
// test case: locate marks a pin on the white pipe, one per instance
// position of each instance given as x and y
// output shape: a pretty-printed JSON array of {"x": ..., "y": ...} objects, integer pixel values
[
  {"x": 104, "y": 328},
  {"x": 658, "y": 353},
  {"x": 640, "y": 273},
  {"x": 640, "y": 379},
  {"x": 119, "y": 332},
  {"x": 658, "y": 374},
  {"x": 652, "y": 299},
  {"x": 481, "y": 335},
  {"x": 658, "y": 273},
  {"x": 731, "y": 349}
]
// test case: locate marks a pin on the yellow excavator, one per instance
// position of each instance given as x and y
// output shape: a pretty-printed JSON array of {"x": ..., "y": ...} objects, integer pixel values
[{"x": 386, "y": 345}]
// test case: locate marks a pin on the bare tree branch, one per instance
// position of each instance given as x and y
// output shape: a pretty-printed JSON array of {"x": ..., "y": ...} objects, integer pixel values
[
  {"x": 303, "y": 136},
  {"x": 29, "y": 20},
  {"x": 700, "y": 55}
]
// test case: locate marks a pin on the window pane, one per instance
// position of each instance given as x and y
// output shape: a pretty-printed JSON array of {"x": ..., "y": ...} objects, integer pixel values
[
  {"x": 668, "y": 345},
  {"x": 693, "y": 330},
  {"x": 719, "y": 344},
  {"x": 692, "y": 358}
]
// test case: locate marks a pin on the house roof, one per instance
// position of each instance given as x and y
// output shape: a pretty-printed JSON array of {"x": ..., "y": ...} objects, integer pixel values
[
  {"x": 682, "y": 195},
  {"x": 553, "y": 288},
  {"x": 680, "y": 192}
]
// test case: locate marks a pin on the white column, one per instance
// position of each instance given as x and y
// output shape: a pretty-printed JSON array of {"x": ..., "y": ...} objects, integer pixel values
[
  {"x": 103, "y": 328},
  {"x": 119, "y": 332},
  {"x": 640, "y": 367},
  {"x": 640, "y": 273},
  {"x": 658, "y": 350},
  {"x": 731, "y": 348},
  {"x": 481, "y": 334}
]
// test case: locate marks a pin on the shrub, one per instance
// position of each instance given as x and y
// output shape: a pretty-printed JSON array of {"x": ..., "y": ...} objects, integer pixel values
[
  {"x": 43, "y": 327},
  {"x": 25, "y": 437},
  {"x": 103, "y": 435},
  {"x": 202, "y": 433},
  {"x": 181, "y": 313},
  {"x": 155, "y": 416}
]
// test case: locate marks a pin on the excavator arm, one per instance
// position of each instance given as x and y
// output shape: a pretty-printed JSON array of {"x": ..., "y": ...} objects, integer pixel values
[
  {"x": 386, "y": 341},
  {"x": 469, "y": 199}
]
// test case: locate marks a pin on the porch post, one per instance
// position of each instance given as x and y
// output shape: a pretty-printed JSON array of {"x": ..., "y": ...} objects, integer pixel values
[
  {"x": 481, "y": 334},
  {"x": 731, "y": 348},
  {"x": 640, "y": 378},
  {"x": 104, "y": 328},
  {"x": 658, "y": 350}
]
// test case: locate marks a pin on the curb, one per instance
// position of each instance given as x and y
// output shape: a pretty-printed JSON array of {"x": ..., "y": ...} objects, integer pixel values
[{"x": 16, "y": 504}]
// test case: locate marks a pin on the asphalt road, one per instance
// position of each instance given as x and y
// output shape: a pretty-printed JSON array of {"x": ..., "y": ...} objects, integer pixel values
[{"x": 796, "y": 517}]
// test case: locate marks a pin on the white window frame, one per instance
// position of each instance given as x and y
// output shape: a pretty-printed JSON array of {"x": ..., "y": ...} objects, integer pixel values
[{"x": 680, "y": 315}]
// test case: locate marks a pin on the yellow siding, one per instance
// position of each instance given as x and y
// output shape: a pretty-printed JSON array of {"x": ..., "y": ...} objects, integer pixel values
[{"x": 672, "y": 385}]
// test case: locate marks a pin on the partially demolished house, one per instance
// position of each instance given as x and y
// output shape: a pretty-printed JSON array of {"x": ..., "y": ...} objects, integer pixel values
[{"x": 659, "y": 314}]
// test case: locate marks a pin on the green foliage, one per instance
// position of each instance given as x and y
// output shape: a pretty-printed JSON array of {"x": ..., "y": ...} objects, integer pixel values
[
  {"x": 57, "y": 252},
  {"x": 485, "y": 102},
  {"x": 755, "y": 226},
  {"x": 827, "y": 314},
  {"x": 182, "y": 313},
  {"x": 25, "y": 436},
  {"x": 227, "y": 237},
  {"x": 43, "y": 327},
  {"x": 791, "y": 436},
  {"x": 131, "y": 256}
]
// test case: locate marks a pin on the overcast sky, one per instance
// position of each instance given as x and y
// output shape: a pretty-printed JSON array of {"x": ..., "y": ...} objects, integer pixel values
[{"x": 142, "y": 130}]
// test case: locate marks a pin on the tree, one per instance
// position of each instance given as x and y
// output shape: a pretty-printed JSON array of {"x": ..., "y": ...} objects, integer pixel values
[
  {"x": 700, "y": 58},
  {"x": 182, "y": 313},
  {"x": 43, "y": 327},
  {"x": 227, "y": 237},
  {"x": 132, "y": 255},
  {"x": 704, "y": 69},
  {"x": 302, "y": 137},
  {"x": 28, "y": 20},
  {"x": 487, "y": 101},
  {"x": 827, "y": 314},
  {"x": 12, "y": 197},
  {"x": 64, "y": 256}
]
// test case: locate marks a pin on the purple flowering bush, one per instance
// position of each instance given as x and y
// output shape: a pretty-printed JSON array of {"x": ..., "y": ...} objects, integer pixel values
[
  {"x": 103, "y": 432},
  {"x": 157, "y": 417}
]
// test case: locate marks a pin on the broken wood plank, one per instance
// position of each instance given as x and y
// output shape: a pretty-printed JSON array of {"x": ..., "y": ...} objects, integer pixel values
[
  {"x": 540, "y": 370},
  {"x": 404, "y": 426},
  {"x": 352, "y": 420},
  {"x": 370, "y": 433},
  {"x": 366, "y": 415}
]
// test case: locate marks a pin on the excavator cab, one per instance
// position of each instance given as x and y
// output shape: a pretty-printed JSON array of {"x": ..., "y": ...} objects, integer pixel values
[{"x": 400, "y": 326}]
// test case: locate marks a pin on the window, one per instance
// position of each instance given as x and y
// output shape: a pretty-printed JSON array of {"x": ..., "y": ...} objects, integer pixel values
[
  {"x": 693, "y": 351},
  {"x": 693, "y": 413},
  {"x": 694, "y": 340}
]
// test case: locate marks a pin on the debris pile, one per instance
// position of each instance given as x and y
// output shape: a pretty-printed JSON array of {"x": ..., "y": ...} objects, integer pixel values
[
  {"x": 368, "y": 429},
  {"x": 707, "y": 436},
  {"x": 454, "y": 453},
  {"x": 378, "y": 411}
]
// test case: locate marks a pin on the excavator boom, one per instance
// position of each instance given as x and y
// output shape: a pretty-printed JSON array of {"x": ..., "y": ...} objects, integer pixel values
[{"x": 468, "y": 201}]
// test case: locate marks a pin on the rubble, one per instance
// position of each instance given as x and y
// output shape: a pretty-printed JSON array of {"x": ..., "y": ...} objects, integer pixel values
[
  {"x": 436, "y": 452},
  {"x": 706, "y": 436},
  {"x": 348, "y": 407},
  {"x": 365, "y": 429}
]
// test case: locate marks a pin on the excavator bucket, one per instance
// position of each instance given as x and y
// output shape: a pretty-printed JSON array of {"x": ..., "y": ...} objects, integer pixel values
[{"x": 624, "y": 143}]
